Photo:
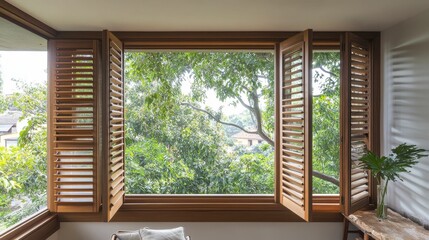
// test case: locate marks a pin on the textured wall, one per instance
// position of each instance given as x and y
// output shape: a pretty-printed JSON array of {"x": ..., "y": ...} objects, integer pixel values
[
  {"x": 406, "y": 109},
  {"x": 211, "y": 231}
]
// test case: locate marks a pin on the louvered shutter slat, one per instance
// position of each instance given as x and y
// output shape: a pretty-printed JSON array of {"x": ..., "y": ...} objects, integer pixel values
[
  {"x": 295, "y": 130},
  {"x": 357, "y": 77},
  {"x": 114, "y": 61},
  {"x": 73, "y": 129}
]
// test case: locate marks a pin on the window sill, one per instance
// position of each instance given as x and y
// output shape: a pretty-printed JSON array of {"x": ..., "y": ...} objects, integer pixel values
[
  {"x": 216, "y": 208},
  {"x": 199, "y": 202},
  {"x": 326, "y": 203},
  {"x": 39, "y": 226}
]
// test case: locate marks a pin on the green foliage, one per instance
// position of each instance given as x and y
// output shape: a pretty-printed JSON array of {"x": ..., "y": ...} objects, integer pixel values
[
  {"x": 389, "y": 167},
  {"x": 33, "y": 105},
  {"x": 158, "y": 83},
  {"x": 233, "y": 76},
  {"x": 23, "y": 175},
  {"x": 3, "y": 100},
  {"x": 326, "y": 121},
  {"x": 4, "y": 104},
  {"x": 192, "y": 151},
  {"x": 23, "y": 178}
]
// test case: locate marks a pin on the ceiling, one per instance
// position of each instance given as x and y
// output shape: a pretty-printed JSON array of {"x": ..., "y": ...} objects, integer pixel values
[
  {"x": 15, "y": 38},
  {"x": 221, "y": 15}
]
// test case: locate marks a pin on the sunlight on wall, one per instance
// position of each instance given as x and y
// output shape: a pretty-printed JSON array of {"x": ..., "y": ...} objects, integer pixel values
[{"x": 406, "y": 110}]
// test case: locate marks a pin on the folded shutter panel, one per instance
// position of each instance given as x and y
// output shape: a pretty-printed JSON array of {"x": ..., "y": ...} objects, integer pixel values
[
  {"x": 114, "y": 92},
  {"x": 356, "y": 77},
  {"x": 73, "y": 126},
  {"x": 295, "y": 128}
]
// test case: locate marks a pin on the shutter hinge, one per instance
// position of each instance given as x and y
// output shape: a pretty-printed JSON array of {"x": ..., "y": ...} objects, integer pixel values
[{"x": 342, "y": 200}]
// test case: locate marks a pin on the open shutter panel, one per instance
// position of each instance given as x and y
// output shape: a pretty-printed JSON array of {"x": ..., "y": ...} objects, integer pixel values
[
  {"x": 295, "y": 131},
  {"x": 73, "y": 126},
  {"x": 356, "y": 92},
  {"x": 114, "y": 87}
]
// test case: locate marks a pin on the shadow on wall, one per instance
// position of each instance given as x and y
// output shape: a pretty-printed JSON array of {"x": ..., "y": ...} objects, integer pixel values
[{"x": 408, "y": 84}]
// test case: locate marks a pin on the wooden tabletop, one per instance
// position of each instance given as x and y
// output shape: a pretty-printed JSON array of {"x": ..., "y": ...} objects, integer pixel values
[{"x": 395, "y": 227}]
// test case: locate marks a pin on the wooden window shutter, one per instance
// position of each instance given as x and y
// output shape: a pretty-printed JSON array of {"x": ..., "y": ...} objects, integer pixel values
[
  {"x": 295, "y": 127},
  {"x": 114, "y": 140},
  {"x": 357, "y": 121},
  {"x": 73, "y": 126}
]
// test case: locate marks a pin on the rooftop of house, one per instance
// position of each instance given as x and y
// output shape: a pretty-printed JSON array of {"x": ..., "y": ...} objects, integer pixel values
[
  {"x": 8, "y": 120},
  {"x": 10, "y": 117},
  {"x": 248, "y": 136}
]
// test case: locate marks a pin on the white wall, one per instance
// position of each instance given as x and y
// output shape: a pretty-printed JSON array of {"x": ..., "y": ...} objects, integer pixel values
[
  {"x": 210, "y": 231},
  {"x": 406, "y": 109},
  {"x": 54, "y": 236}
]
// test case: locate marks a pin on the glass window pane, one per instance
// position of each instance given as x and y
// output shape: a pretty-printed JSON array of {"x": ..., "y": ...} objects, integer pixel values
[
  {"x": 192, "y": 122},
  {"x": 23, "y": 64},
  {"x": 326, "y": 122}
]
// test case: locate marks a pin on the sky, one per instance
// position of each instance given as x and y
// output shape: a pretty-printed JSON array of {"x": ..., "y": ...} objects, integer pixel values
[{"x": 25, "y": 66}]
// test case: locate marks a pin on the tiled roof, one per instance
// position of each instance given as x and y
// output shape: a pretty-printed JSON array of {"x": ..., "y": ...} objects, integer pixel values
[
  {"x": 5, "y": 127},
  {"x": 10, "y": 118}
]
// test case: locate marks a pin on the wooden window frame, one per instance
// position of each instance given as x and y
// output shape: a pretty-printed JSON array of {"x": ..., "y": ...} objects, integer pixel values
[
  {"x": 40, "y": 225},
  {"x": 195, "y": 207},
  {"x": 209, "y": 208},
  {"x": 221, "y": 207}
]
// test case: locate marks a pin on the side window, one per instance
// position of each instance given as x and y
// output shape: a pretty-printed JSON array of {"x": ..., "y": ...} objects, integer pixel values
[{"x": 23, "y": 129}]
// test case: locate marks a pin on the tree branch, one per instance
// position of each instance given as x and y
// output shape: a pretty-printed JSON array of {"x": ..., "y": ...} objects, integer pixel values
[
  {"x": 328, "y": 72},
  {"x": 262, "y": 133},
  {"x": 258, "y": 115},
  {"x": 248, "y": 107},
  {"x": 217, "y": 119},
  {"x": 247, "y": 89},
  {"x": 326, "y": 178}
]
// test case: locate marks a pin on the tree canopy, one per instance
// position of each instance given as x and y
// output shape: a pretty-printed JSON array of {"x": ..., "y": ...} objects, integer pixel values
[
  {"x": 166, "y": 109},
  {"x": 23, "y": 168},
  {"x": 162, "y": 86}
]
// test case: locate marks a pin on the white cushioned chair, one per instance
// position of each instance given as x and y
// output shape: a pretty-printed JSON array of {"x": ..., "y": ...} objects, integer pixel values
[{"x": 151, "y": 234}]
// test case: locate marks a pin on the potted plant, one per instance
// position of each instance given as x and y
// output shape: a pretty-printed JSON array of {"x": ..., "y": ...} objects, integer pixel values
[{"x": 387, "y": 168}]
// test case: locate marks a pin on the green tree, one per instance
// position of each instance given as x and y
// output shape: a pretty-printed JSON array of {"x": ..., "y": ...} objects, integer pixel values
[
  {"x": 31, "y": 101},
  {"x": 195, "y": 135},
  {"x": 242, "y": 78},
  {"x": 326, "y": 114},
  {"x": 180, "y": 150},
  {"x": 23, "y": 179},
  {"x": 3, "y": 101}
]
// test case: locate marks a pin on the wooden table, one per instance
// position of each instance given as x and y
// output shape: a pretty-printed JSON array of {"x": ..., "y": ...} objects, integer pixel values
[{"x": 395, "y": 227}]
